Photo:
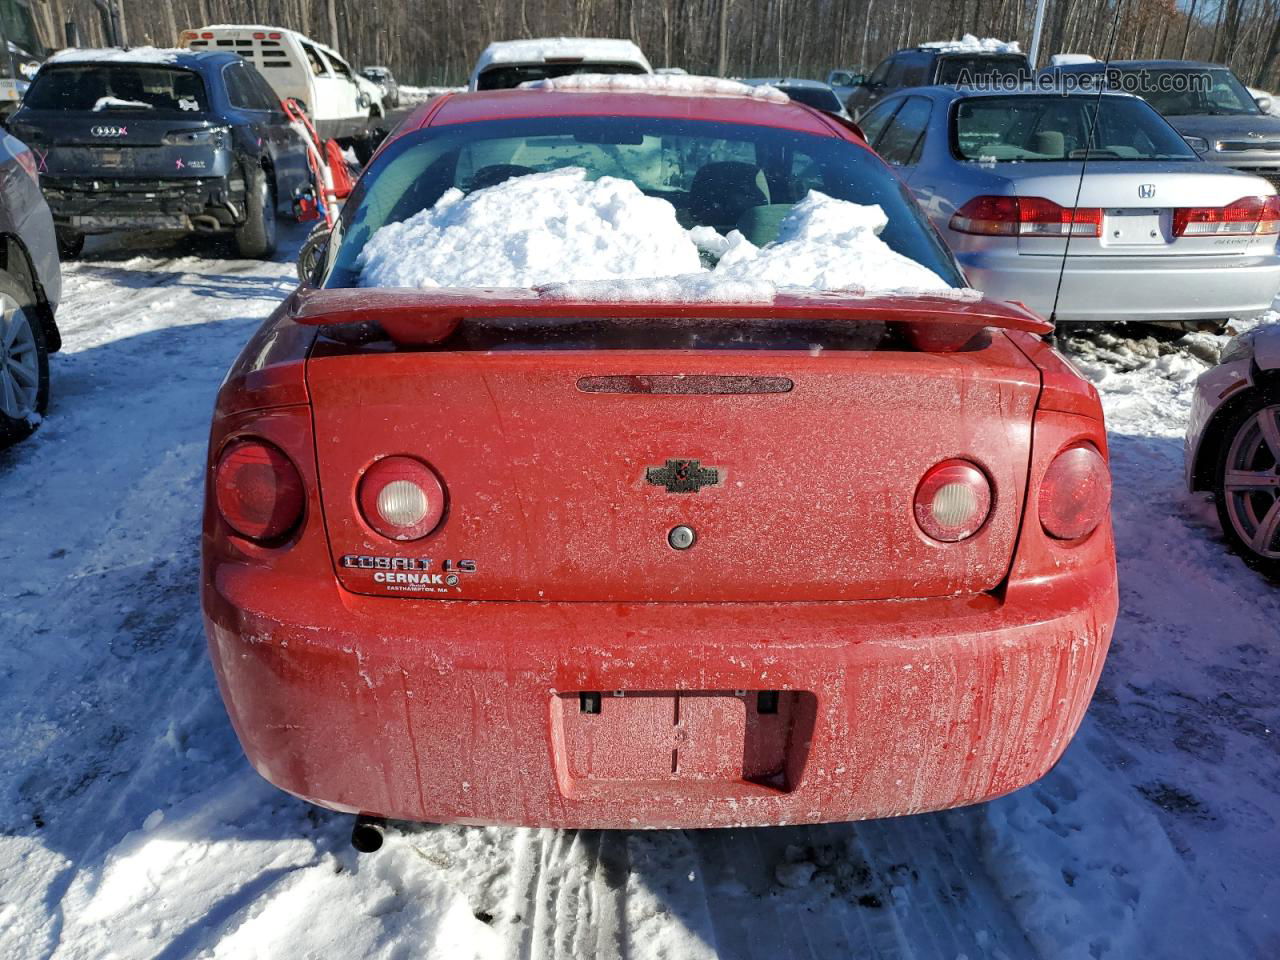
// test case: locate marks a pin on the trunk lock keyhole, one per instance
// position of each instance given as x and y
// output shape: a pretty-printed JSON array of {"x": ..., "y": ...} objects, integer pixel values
[{"x": 681, "y": 537}]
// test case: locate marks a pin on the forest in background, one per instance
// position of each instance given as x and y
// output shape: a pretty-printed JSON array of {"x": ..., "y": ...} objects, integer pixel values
[{"x": 436, "y": 41}]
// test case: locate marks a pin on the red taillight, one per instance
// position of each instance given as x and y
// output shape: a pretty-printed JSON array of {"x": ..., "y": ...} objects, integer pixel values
[
  {"x": 1025, "y": 217},
  {"x": 206, "y": 36},
  {"x": 273, "y": 36},
  {"x": 1075, "y": 494},
  {"x": 1248, "y": 216},
  {"x": 26, "y": 159},
  {"x": 953, "y": 501},
  {"x": 259, "y": 36},
  {"x": 401, "y": 498},
  {"x": 258, "y": 489}
]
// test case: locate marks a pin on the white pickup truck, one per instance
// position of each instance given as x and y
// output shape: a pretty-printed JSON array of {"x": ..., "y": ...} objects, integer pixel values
[{"x": 342, "y": 105}]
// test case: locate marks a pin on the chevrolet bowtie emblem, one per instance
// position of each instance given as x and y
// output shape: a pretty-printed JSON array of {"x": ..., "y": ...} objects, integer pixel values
[{"x": 683, "y": 476}]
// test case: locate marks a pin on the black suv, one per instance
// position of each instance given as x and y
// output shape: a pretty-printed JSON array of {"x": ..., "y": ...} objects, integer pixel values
[
  {"x": 193, "y": 142},
  {"x": 927, "y": 66}
]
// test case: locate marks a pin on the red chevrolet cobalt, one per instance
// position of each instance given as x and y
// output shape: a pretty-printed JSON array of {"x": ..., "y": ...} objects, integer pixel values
[{"x": 659, "y": 553}]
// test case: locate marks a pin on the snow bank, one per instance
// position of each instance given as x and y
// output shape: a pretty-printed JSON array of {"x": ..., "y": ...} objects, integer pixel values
[
  {"x": 411, "y": 95},
  {"x": 971, "y": 44},
  {"x": 118, "y": 55},
  {"x": 659, "y": 83},
  {"x": 1065, "y": 59},
  {"x": 574, "y": 238},
  {"x": 1275, "y": 99}
]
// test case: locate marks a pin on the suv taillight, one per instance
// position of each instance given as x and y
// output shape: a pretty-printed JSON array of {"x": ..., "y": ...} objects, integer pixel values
[
  {"x": 401, "y": 498},
  {"x": 1075, "y": 494},
  {"x": 1248, "y": 216},
  {"x": 992, "y": 216},
  {"x": 258, "y": 490},
  {"x": 953, "y": 501}
]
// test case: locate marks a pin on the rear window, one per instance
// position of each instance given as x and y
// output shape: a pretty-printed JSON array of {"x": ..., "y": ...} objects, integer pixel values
[
  {"x": 1029, "y": 129},
  {"x": 507, "y": 76},
  {"x": 814, "y": 97},
  {"x": 971, "y": 69},
  {"x": 724, "y": 176},
  {"x": 117, "y": 88}
]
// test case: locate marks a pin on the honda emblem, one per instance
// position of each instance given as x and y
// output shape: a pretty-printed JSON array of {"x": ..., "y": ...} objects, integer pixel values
[{"x": 1146, "y": 191}]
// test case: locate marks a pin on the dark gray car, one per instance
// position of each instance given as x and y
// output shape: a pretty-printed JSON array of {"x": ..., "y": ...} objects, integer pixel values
[
  {"x": 175, "y": 141},
  {"x": 932, "y": 64},
  {"x": 1204, "y": 102},
  {"x": 30, "y": 288}
]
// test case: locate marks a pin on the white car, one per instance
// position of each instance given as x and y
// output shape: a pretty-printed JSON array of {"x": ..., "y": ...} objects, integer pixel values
[
  {"x": 1233, "y": 445},
  {"x": 509, "y": 63},
  {"x": 343, "y": 105}
]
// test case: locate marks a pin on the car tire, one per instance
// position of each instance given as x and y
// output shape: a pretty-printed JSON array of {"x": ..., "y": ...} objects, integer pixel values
[
  {"x": 364, "y": 148},
  {"x": 256, "y": 237},
  {"x": 24, "y": 358},
  {"x": 1246, "y": 479},
  {"x": 70, "y": 244}
]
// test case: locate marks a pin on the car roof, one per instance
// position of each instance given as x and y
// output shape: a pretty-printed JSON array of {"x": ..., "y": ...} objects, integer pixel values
[
  {"x": 1138, "y": 65},
  {"x": 799, "y": 82},
  {"x": 143, "y": 57},
  {"x": 717, "y": 108},
  {"x": 944, "y": 91},
  {"x": 538, "y": 50}
]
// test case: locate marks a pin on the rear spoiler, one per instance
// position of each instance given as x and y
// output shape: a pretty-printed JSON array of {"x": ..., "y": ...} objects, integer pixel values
[{"x": 425, "y": 317}]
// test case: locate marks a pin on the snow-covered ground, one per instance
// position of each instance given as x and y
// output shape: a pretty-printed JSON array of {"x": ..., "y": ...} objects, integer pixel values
[{"x": 131, "y": 826}]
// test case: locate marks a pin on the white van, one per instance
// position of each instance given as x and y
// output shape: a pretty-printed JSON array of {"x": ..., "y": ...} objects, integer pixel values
[
  {"x": 509, "y": 63},
  {"x": 342, "y": 105}
]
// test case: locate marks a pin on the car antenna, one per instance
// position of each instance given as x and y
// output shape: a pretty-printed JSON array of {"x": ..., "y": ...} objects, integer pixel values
[{"x": 1084, "y": 161}]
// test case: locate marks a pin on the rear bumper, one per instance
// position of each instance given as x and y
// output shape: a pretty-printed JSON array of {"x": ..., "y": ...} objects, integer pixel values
[
  {"x": 1144, "y": 289},
  {"x": 101, "y": 206},
  {"x": 455, "y": 711}
]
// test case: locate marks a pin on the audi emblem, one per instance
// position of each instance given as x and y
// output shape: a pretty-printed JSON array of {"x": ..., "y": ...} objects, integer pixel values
[
  {"x": 105, "y": 131},
  {"x": 1146, "y": 191}
]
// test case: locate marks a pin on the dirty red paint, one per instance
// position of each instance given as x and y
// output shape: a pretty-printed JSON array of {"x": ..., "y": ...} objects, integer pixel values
[{"x": 908, "y": 675}]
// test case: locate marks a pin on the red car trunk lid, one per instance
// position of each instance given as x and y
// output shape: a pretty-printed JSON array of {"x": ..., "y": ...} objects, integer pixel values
[{"x": 563, "y": 468}]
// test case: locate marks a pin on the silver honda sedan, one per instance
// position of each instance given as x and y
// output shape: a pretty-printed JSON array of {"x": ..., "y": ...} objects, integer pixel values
[{"x": 1149, "y": 232}]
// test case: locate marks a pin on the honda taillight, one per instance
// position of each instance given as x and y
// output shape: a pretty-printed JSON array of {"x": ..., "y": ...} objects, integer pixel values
[
  {"x": 258, "y": 490},
  {"x": 1248, "y": 216},
  {"x": 1075, "y": 494},
  {"x": 1026, "y": 217},
  {"x": 401, "y": 498},
  {"x": 953, "y": 501}
]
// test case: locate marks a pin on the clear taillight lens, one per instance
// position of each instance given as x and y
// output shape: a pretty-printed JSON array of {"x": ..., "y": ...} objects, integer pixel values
[
  {"x": 994, "y": 216},
  {"x": 1075, "y": 494},
  {"x": 258, "y": 490},
  {"x": 401, "y": 498},
  {"x": 1248, "y": 216},
  {"x": 953, "y": 501}
]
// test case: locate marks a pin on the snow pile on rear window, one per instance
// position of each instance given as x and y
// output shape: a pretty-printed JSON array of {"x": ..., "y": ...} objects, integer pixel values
[
  {"x": 659, "y": 83},
  {"x": 530, "y": 230},
  {"x": 577, "y": 239},
  {"x": 971, "y": 44},
  {"x": 117, "y": 55}
]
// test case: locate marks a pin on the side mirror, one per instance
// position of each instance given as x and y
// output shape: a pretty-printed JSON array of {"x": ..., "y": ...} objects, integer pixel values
[
  {"x": 1263, "y": 102},
  {"x": 1198, "y": 144},
  {"x": 858, "y": 80}
]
